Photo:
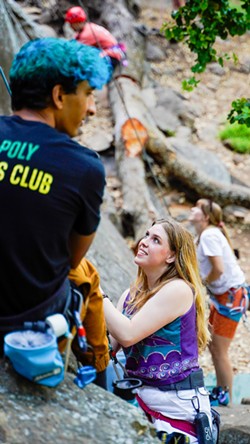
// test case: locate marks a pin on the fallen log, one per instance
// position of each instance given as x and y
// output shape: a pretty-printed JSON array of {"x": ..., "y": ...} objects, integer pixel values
[
  {"x": 157, "y": 144},
  {"x": 159, "y": 147},
  {"x": 131, "y": 136}
]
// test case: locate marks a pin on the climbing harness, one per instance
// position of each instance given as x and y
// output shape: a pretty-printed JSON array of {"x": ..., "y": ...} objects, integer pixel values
[
  {"x": 183, "y": 426},
  {"x": 227, "y": 310}
]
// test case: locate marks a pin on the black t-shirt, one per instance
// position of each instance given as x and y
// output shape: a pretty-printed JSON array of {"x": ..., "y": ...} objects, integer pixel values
[{"x": 49, "y": 186}]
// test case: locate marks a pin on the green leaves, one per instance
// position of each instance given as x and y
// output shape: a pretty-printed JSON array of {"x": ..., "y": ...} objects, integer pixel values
[
  {"x": 198, "y": 24},
  {"x": 240, "y": 112},
  {"x": 190, "y": 84}
]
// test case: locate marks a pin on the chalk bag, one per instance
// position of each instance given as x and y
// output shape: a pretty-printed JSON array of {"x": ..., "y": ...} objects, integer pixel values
[{"x": 35, "y": 355}]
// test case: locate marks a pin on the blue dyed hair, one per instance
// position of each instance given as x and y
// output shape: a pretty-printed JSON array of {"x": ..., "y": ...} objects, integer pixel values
[{"x": 43, "y": 63}]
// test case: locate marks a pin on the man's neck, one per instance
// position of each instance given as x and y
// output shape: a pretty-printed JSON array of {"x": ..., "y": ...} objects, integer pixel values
[{"x": 43, "y": 116}]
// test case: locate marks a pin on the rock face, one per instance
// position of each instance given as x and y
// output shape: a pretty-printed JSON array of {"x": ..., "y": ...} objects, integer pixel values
[
  {"x": 235, "y": 424},
  {"x": 16, "y": 28},
  {"x": 113, "y": 259},
  {"x": 30, "y": 414},
  {"x": 203, "y": 160},
  {"x": 66, "y": 414}
]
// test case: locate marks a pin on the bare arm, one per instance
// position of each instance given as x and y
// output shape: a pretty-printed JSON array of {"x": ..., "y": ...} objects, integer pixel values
[
  {"x": 216, "y": 270},
  {"x": 79, "y": 246},
  {"x": 114, "y": 343},
  {"x": 172, "y": 301}
]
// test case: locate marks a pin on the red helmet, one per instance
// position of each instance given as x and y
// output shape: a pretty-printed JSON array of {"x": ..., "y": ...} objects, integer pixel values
[{"x": 75, "y": 15}]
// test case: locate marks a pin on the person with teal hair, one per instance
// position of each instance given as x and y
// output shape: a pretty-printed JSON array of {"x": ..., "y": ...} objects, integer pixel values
[
  {"x": 43, "y": 63},
  {"x": 51, "y": 190}
]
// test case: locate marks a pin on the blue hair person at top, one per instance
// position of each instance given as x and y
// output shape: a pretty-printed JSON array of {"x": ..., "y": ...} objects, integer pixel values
[
  {"x": 39, "y": 74},
  {"x": 56, "y": 185}
]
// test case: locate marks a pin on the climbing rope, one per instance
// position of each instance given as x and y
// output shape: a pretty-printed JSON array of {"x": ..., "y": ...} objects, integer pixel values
[{"x": 5, "y": 80}]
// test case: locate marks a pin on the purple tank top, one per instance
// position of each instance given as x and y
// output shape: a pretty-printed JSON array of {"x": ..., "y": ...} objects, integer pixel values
[{"x": 168, "y": 355}]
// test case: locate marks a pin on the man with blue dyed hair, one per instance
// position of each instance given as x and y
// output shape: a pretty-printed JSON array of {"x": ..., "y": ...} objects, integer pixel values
[{"x": 51, "y": 187}]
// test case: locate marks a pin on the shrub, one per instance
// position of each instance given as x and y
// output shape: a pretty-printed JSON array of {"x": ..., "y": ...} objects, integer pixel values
[{"x": 238, "y": 137}]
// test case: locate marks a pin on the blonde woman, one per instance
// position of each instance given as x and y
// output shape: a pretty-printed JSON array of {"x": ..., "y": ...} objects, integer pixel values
[
  {"x": 160, "y": 324},
  {"x": 224, "y": 280}
]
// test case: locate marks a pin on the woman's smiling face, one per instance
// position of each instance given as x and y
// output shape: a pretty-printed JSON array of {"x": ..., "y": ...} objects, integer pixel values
[{"x": 153, "y": 250}]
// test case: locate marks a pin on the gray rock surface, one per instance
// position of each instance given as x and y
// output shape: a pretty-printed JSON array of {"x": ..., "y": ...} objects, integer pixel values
[
  {"x": 205, "y": 160},
  {"x": 112, "y": 258},
  {"x": 100, "y": 141},
  {"x": 32, "y": 414},
  {"x": 16, "y": 28},
  {"x": 154, "y": 53},
  {"x": 165, "y": 120},
  {"x": 235, "y": 424}
]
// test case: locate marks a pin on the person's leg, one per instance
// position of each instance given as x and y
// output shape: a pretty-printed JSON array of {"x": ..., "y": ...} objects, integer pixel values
[
  {"x": 219, "y": 351},
  {"x": 222, "y": 332},
  {"x": 86, "y": 276}
]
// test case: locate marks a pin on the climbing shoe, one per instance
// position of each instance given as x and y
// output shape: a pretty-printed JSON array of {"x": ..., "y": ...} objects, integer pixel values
[{"x": 219, "y": 396}]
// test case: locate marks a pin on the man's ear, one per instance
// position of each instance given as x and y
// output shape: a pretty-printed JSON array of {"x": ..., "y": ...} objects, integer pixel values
[
  {"x": 170, "y": 259},
  {"x": 57, "y": 96}
]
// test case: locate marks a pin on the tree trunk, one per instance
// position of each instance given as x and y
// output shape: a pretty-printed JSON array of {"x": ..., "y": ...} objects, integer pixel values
[{"x": 131, "y": 135}]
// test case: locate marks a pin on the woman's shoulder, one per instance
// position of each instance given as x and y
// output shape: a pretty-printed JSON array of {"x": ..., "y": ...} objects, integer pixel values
[
  {"x": 179, "y": 295},
  {"x": 178, "y": 286},
  {"x": 211, "y": 232}
]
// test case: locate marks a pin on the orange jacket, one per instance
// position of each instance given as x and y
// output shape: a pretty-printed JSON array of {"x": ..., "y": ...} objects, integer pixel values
[{"x": 92, "y": 315}]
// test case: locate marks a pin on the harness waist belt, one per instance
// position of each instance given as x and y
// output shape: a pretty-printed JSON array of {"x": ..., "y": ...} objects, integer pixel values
[{"x": 192, "y": 381}]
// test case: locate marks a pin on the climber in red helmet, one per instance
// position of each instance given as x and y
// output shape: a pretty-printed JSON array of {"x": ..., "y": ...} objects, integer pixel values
[{"x": 94, "y": 35}]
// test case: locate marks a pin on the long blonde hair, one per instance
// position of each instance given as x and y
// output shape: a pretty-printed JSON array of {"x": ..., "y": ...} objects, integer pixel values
[
  {"x": 215, "y": 215},
  {"x": 184, "y": 267}
]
